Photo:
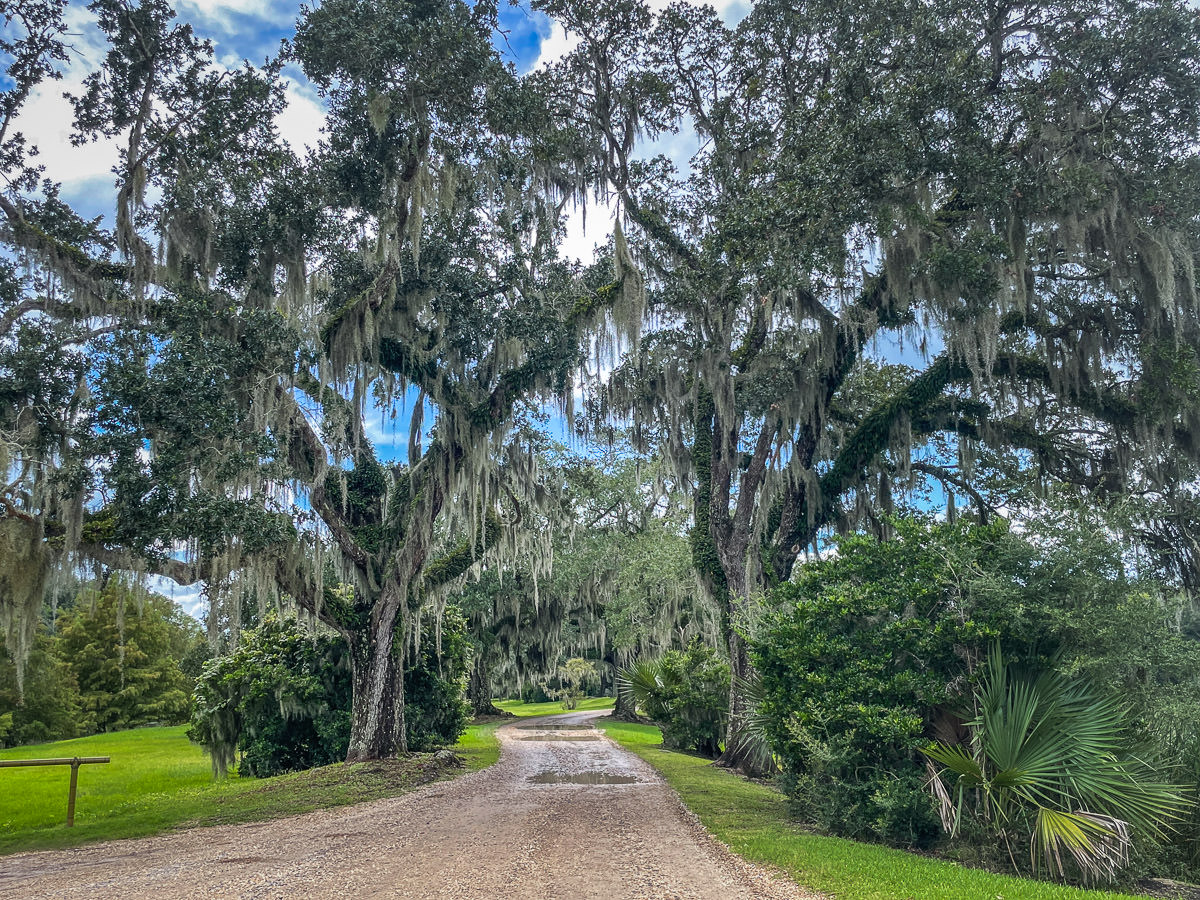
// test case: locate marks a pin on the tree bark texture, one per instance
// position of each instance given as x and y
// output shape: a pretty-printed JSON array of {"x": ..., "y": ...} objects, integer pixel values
[{"x": 377, "y": 725}]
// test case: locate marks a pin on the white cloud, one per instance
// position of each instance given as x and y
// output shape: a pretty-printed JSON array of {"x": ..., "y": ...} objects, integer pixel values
[
  {"x": 584, "y": 230},
  {"x": 557, "y": 42},
  {"x": 387, "y": 433},
  {"x": 213, "y": 8},
  {"x": 222, "y": 13},
  {"x": 46, "y": 121},
  {"x": 301, "y": 122},
  {"x": 190, "y": 597}
]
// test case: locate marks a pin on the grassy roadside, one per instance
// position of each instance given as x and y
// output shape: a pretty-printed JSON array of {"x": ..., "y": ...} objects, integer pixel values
[
  {"x": 159, "y": 781},
  {"x": 523, "y": 709},
  {"x": 752, "y": 820}
]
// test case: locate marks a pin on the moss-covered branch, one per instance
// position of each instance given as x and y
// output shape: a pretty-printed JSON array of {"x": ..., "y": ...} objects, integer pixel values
[
  {"x": 874, "y": 432},
  {"x": 462, "y": 556},
  {"x": 372, "y": 297},
  {"x": 68, "y": 260},
  {"x": 660, "y": 231}
]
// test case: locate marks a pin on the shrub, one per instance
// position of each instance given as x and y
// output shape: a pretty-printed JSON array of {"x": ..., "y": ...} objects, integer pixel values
[
  {"x": 865, "y": 655},
  {"x": 436, "y": 711},
  {"x": 686, "y": 693},
  {"x": 870, "y": 654},
  {"x": 1048, "y": 762},
  {"x": 282, "y": 699}
]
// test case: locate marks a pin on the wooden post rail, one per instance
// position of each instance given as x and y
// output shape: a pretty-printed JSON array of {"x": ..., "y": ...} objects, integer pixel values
[{"x": 73, "y": 762}]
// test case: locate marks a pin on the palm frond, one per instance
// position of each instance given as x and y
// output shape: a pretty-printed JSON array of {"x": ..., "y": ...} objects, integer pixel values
[
  {"x": 641, "y": 683},
  {"x": 1055, "y": 748},
  {"x": 751, "y": 740}
]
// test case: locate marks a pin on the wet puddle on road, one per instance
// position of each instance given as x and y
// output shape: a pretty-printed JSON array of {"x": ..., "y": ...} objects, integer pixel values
[
  {"x": 581, "y": 778},
  {"x": 558, "y": 737}
]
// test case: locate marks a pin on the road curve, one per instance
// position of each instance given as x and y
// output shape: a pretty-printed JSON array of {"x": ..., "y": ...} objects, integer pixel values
[{"x": 565, "y": 813}]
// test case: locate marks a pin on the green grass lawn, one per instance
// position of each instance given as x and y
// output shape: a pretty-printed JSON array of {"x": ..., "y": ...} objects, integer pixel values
[
  {"x": 753, "y": 820},
  {"x": 521, "y": 708},
  {"x": 158, "y": 781}
]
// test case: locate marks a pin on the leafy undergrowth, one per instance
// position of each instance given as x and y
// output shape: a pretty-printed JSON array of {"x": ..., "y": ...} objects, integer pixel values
[
  {"x": 552, "y": 708},
  {"x": 752, "y": 819},
  {"x": 159, "y": 781}
]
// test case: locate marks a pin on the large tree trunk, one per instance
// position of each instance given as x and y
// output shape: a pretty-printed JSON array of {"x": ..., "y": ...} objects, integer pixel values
[
  {"x": 377, "y": 720},
  {"x": 719, "y": 545},
  {"x": 479, "y": 691},
  {"x": 624, "y": 708},
  {"x": 736, "y": 755}
]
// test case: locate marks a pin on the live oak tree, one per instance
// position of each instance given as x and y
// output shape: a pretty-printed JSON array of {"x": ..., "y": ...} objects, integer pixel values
[
  {"x": 1008, "y": 189},
  {"x": 620, "y": 588},
  {"x": 189, "y": 393}
]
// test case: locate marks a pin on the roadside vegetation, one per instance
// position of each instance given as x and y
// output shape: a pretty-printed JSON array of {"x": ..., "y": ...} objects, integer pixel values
[
  {"x": 883, "y": 476},
  {"x": 1021, "y": 701},
  {"x": 754, "y": 821},
  {"x": 160, "y": 781}
]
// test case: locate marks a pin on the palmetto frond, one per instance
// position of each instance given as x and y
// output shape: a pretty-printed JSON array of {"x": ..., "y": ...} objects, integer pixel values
[
  {"x": 1054, "y": 749},
  {"x": 751, "y": 740},
  {"x": 643, "y": 683}
]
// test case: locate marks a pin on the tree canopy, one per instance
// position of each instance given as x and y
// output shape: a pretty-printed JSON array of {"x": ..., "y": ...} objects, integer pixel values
[
  {"x": 218, "y": 432},
  {"x": 1007, "y": 190},
  {"x": 1003, "y": 194}
]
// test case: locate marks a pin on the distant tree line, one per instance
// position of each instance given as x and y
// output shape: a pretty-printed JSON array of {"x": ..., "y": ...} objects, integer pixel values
[{"x": 105, "y": 658}]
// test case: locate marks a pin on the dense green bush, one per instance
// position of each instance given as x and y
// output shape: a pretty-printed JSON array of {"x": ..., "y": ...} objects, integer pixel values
[
  {"x": 1049, "y": 763},
  {"x": 872, "y": 653},
  {"x": 49, "y": 707},
  {"x": 686, "y": 693},
  {"x": 867, "y": 653},
  {"x": 436, "y": 710},
  {"x": 282, "y": 699}
]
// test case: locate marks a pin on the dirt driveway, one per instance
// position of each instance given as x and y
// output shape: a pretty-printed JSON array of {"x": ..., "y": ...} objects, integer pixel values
[{"x": 565, "y": 813}]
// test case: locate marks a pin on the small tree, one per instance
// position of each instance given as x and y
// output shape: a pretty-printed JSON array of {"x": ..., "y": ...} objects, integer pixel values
[
  {"x": 572, "y": 677},
  {"x": 122, "y": 649},
  {"x": 282, "y": 699}
]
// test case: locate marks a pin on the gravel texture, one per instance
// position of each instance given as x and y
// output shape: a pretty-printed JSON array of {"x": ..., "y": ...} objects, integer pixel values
[{"x": 490, "y": 834}]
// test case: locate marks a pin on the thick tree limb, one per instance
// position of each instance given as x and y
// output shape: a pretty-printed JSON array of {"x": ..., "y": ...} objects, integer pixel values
[{"x": 182, "y": 573}]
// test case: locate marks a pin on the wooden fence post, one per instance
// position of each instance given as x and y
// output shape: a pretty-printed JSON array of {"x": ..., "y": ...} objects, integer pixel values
[{"x": 73, "y": 763}]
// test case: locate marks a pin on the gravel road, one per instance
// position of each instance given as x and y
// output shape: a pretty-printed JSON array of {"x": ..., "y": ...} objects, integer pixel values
[{"x": 565, "y": 814}]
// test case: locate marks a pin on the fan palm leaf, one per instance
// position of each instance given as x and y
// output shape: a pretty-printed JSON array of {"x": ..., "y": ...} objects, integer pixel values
[
  {"x": 751, "y": 742},
  {"x": 643, "y": 683},
  {"x": 1052, "y": 749}
]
